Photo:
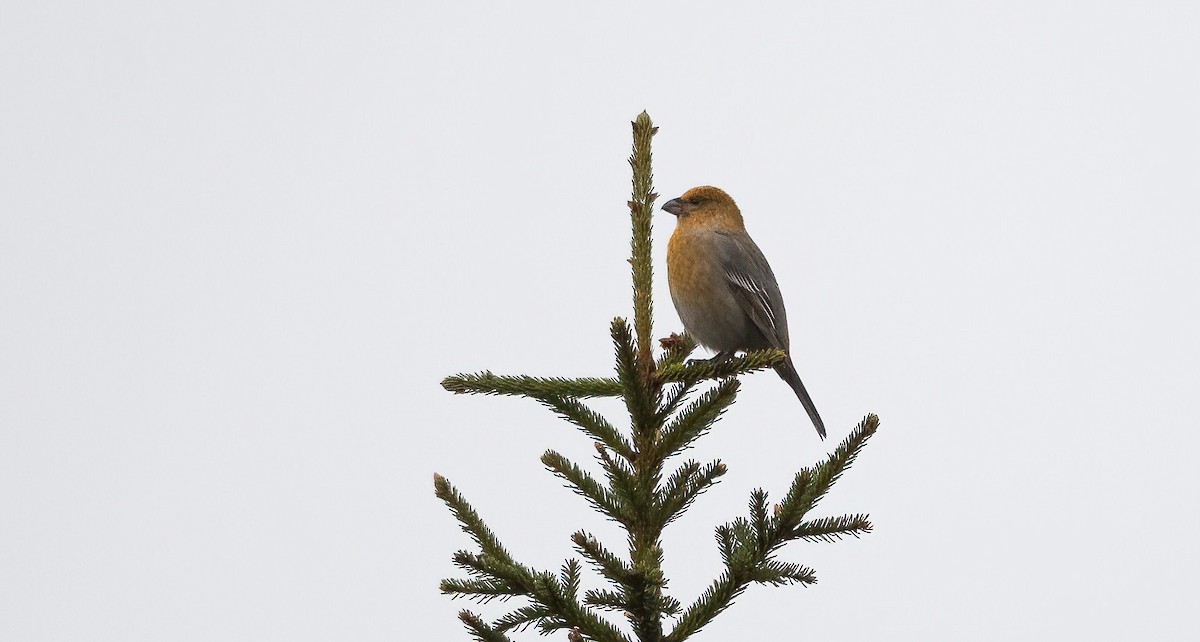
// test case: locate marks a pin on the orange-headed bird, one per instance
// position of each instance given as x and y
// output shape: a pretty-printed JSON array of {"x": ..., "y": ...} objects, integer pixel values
[{"x": 723, "y": 287}]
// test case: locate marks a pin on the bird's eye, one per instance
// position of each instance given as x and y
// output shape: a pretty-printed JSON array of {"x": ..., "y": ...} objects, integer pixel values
[{"x": 695, "y": 200}]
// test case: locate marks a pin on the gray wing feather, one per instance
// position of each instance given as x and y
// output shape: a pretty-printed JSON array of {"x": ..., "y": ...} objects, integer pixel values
[{"x": 753, "y": 283}]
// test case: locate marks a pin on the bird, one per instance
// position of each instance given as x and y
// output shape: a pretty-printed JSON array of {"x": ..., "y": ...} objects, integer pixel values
[{"x": 722, "y": 286}]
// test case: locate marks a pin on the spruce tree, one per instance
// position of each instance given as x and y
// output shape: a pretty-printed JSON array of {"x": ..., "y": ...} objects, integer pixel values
[{"x": 671, "y": 402}]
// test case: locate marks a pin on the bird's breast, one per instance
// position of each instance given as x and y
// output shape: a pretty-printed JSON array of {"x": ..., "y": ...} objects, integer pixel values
[{"x": 702, "y": 297}]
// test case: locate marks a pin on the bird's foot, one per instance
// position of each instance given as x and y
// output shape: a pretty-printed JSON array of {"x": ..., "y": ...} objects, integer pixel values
[{"x": 720, "y": 357}]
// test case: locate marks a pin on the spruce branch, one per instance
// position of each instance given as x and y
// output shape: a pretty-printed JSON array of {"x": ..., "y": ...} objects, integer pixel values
[
  {"x": 759, "y": 518},
  {"x": 486, "y": 383},
  {"x": 748, "y": 545},
  {"x": 810, "y": 485},
  {"x": 469, "y": 519},
  {"x": 670, "y": 606},
  {"x": 829, "y": 471},
  {"x": 607, "y": 600},
  {"x": 485, "y": 566},
  {"x": 584, "y": 484},
  {"x": 674, "y": 395},
  {"x": 831, "y": 529},
  {"x": 480, "y": 630},
  {"x": 676, "y": 348},
  {"x": 482, "y": 591},
  {"x": 498, "y": 576},
  {"x": 697, "y": 418},
  {"x": 622, "y": 478},
  {"x": 570, "y": 578},
  {"x": 634, "y": 383},
  {"x": 715, "y": 599},
  {"x": 678, "y": 481},
  {"x": 569, "y": 613},
  {"x": 523, "y": 618},
  {"x": 684, "y": 486},
  {"x": 609, "y": 564},
  {"x": 790, "y": 511},
  {"x": 695, "y": 371},
  {"x": 641, "y": 210},
  {"x": 591, "y": 422},
  {"x": 778, "y": 573}
]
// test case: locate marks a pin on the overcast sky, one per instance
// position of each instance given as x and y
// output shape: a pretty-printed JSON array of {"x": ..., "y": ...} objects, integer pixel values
[{"x": 241, "y": 244}]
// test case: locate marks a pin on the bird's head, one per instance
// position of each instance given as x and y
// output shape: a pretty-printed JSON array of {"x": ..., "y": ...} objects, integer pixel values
[{"x": 706, "y": 206}]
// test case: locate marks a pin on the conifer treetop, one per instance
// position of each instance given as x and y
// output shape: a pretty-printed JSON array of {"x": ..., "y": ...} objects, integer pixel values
[{"x": 671, "y": 403}]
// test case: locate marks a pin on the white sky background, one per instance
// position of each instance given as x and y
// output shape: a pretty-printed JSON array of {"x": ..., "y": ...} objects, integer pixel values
[{"x": 241, "y": 245}]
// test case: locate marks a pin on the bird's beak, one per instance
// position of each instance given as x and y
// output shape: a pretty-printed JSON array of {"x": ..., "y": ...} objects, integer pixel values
[{"x": 674, "y": 206}]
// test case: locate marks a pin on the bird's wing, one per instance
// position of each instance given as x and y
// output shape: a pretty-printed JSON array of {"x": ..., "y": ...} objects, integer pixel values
[{"x": 753, "y": 284}]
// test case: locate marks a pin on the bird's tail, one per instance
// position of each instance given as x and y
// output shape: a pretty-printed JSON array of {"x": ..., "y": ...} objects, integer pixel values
[{"x": 788, "y": 373}]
